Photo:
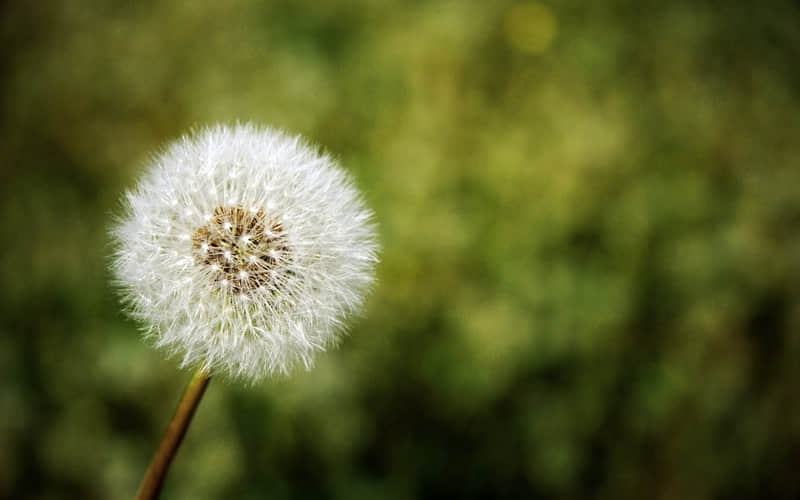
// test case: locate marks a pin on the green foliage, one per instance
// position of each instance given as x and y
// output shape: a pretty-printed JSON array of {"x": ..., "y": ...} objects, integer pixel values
[{"x": 590, "y": 219}]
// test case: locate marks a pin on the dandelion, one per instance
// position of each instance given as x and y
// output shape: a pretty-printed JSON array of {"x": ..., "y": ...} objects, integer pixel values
[{"x": 242, "y": 251}]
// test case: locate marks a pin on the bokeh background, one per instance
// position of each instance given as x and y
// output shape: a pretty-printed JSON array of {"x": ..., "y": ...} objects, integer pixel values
[{"x": 590, "y": 217}]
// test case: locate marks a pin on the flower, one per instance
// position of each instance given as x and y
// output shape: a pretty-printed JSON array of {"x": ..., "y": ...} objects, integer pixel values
[{"x": 243, "y": 249}]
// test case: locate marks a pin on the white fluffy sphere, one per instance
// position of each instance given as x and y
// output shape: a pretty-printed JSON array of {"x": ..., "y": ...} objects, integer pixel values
[{"x": 242, "y": 250}]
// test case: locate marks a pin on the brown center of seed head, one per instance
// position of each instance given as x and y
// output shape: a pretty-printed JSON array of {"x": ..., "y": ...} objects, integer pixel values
[{"x": 242, "y": 248}]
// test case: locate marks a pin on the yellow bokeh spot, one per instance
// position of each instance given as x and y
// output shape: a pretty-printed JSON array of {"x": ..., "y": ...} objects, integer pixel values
[{"x": 530, "y": 27}]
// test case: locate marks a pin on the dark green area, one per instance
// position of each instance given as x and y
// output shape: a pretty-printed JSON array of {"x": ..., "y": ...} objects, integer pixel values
[{"x": 590, "y": 217}]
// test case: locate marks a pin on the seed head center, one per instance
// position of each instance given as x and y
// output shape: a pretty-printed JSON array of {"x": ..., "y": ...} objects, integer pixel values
[{"x": 241, "y": 249}]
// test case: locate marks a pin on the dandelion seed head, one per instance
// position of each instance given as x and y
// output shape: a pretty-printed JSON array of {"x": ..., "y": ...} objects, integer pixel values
[{"x": 243, "y": 250}]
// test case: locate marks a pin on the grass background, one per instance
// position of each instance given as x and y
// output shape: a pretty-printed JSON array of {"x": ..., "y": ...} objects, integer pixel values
[{"x": 590, "y": 219}]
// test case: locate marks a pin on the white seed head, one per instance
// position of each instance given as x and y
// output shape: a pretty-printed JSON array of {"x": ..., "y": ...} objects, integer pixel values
[{"x": 242, "y": 250}]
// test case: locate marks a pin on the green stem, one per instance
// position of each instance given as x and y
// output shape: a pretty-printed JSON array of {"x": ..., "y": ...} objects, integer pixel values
[{"x": 159, "y": 465}]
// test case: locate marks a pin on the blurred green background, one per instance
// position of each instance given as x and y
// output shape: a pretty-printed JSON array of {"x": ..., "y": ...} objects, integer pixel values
[{"x": 590, "y": 217}]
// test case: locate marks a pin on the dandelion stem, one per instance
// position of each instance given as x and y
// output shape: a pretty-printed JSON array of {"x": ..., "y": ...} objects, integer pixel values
[{"x": 159, "y": 465}]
